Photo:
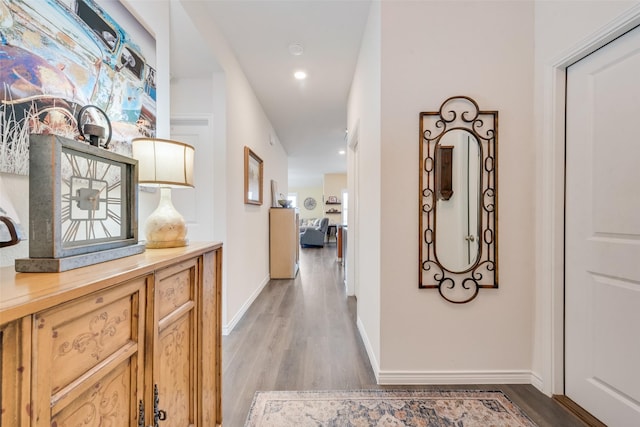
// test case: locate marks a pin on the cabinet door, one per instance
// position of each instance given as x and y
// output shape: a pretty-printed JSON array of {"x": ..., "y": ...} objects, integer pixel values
[
  {"x": 175, "y": 350},
  {"x": 15, "y": 350},
  {"x": 88, "y": 359}
]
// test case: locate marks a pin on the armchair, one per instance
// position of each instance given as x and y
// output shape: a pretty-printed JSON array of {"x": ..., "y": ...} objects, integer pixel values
[{"x": 314, "y": 236}]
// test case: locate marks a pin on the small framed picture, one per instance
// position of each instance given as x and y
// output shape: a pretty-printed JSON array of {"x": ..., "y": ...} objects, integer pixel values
[
  {"x": 332, "y": 199},
  {"x": 253, "y": 177}
]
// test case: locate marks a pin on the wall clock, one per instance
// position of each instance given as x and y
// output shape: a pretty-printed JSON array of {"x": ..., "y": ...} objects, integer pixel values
[
  {"x": 310, "y": 203},
  {"x": 83, "y": 205}
]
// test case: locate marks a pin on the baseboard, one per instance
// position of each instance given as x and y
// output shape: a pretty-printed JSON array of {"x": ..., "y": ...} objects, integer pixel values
[
  {"x": 453, "y": 377},
  {"x": 536, "y": 381},
  {"x": 367, "y": 345},
  {"x": 228, "y": 328}
]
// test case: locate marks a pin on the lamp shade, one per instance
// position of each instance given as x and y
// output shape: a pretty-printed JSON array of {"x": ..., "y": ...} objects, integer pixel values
[{"x": 163, "y": 162}]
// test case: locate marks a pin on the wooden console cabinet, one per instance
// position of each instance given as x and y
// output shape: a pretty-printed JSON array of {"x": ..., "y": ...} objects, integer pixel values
[
  {"x": 100, "y": 345},
  {"x": 284, "y": 243}
]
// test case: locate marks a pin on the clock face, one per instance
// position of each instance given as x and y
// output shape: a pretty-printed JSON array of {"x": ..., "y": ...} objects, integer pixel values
[
  {"x": 93, "y": 199},
  {"x": 310, "y": 203}
]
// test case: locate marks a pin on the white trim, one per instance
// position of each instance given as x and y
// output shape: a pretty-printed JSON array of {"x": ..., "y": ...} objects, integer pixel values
[
  {"x": 536, "y": 380},
  {"x": 352, "y": 137},
  {"x": 454, "y": 377},
  {"x": 550, "y": 196},
  {"x": 367, "y": 345},
  {"x": 609, "y": 32},
  {"x": 228, "y": 328},
  {"x": 192, "y": 120}
]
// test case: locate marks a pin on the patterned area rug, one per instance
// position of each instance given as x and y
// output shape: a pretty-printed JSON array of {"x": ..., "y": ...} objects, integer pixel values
[{"x": 385, "y": 408}]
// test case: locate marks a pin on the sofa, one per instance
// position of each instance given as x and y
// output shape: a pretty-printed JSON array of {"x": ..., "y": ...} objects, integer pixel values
[{"x": 313, "y": 235}]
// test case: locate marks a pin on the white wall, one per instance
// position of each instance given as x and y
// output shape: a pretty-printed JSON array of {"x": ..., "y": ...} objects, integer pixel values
[
  {"x": 561, "y": 28},
  {"x": 429, "y": 52},
  {"x": 363, "y": 248},
  {"x": 15, "y": 188},
  {"x": 246, "y": 248}
]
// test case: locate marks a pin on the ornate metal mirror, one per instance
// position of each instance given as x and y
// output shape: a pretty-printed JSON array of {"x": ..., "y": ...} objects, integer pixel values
[{"x": 458, "y": 201}]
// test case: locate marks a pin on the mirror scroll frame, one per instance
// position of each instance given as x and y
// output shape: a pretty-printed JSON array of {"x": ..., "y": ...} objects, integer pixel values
[{"x": 459, "y": 112}]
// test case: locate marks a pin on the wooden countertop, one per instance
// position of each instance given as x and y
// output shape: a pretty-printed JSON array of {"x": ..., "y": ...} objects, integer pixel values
[{"x": 22, "y": 294}]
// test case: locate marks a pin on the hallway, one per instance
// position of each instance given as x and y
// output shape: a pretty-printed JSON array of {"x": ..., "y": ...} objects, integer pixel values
[{"x": 301, "y": 334}]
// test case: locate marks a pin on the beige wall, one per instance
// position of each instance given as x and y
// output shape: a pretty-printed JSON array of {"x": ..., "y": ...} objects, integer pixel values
[
  {"x": 424, "y": 61},
  {"x": 332, "y": 185},
  {"x": 303, "y": 193},
  {"x": 510, "y": 334}
]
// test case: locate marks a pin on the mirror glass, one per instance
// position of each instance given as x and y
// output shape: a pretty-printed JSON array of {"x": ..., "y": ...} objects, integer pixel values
[
  {"x": 456, "y": 217},
  {"x": 458, "y": 200}
]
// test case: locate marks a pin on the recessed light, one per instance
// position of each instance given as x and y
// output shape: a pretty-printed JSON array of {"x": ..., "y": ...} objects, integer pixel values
[
  {"x": 296, "y": 49},
  {"x": 300, "y": 75},
  {"x": 342, "y": 152}
]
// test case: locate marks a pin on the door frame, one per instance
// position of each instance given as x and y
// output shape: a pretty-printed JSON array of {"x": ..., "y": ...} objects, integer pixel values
[
  {"x": 550, "y": 198},
  {"x": 353, "y": 221}
]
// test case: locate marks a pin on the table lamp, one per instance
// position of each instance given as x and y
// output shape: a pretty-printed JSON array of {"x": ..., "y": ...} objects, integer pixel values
[{"x": 165, "y": 164}]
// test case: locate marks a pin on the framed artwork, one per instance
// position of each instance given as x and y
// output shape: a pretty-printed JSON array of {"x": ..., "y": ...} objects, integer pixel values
[
  {"x": 105, "y": 59},
  {"x": 253, "y": 177}
]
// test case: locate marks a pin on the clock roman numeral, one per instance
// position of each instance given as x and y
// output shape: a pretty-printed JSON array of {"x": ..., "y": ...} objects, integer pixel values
[
  {"x": 105, "y": 229},
  {"x": 93, "y": 168},
  {"x": 74, "y": 164},
  {"x": 65, "y": 214},
  {"x": 106, "y": 170},
  {"x": 114, "y": 216},
  {"x": 71, "y": 232},
  {"x": 114, "y": 186}
]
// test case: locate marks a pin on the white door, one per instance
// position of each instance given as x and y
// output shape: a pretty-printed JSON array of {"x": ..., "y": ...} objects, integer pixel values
[
  {"x": 196, "y": 204},
  {"x": 602, "y": 233}
]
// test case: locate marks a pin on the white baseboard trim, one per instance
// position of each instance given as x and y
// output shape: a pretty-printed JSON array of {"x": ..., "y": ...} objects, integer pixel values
[
  {"x": 453, "y": 377},
  {"x": 367, "y": 345},
  {"x": 536, "y": 381},
  {"x": 226, "y": 329}
]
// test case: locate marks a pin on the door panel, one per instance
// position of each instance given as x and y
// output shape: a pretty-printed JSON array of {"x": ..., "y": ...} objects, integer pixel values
[
  {"x": 196, "y": 204},
  {"x": 602, "y": 233},
  {"x": 87, "y": 369}
]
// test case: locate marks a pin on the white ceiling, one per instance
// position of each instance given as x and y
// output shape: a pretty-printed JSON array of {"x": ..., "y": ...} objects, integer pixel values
[{"x": 309, "y": 117}]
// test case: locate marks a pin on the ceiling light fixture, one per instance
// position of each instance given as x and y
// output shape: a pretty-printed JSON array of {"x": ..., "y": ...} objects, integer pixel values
[
  {"x": 300, "y": 75},
  {"x": 296, "y": 49},
  {"x": 342, "y": 152}
]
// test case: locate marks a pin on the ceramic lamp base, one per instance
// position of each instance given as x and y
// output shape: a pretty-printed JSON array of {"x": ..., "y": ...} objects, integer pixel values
[
  {"x": 166, "y": 244},
  {"x": 165, "y": 227}
]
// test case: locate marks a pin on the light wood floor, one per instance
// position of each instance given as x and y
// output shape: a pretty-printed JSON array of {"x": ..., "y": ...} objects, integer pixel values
[{"x": 301, "y": 335}]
